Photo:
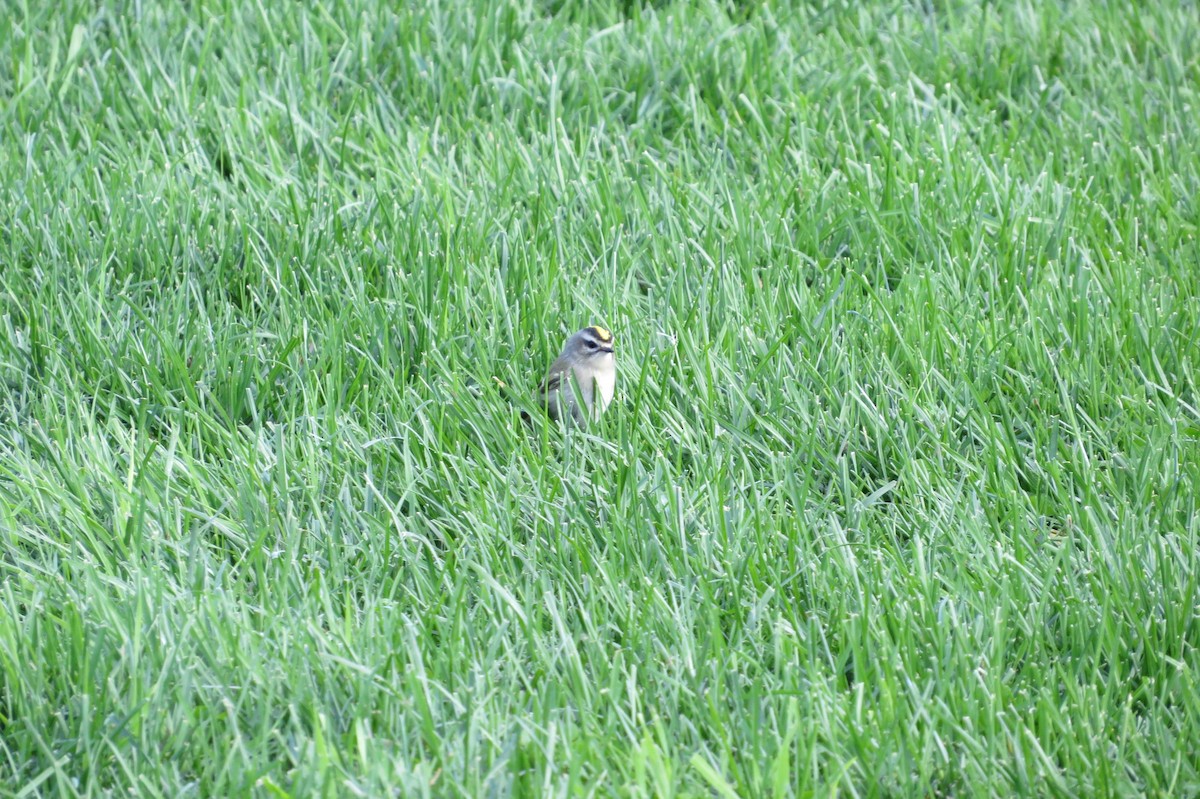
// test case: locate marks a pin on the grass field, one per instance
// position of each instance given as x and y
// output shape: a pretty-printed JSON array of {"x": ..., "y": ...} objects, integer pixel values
[{"x": 898, "y": 496}]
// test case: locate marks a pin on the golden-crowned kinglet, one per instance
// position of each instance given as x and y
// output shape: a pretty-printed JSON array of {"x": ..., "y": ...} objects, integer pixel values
[{"x": 585, "y": 372}]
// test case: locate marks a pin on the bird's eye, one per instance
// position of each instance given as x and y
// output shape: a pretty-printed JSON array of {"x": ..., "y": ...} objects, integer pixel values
[{"x": 591, "y": 345}]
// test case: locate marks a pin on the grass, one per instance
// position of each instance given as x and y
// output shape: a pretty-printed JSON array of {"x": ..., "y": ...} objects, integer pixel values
[{"x": 899, "y": 496}]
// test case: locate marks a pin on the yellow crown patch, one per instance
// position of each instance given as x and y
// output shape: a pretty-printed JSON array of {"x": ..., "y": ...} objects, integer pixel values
[{"x": 601, "y": 333}]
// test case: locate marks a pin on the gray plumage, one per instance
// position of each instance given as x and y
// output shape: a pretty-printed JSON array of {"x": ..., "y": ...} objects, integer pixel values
[{"x": 581, "y": 381}]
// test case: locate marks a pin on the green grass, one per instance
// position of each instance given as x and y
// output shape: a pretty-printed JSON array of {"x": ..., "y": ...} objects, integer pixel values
[{"x": 899, "y": 496}]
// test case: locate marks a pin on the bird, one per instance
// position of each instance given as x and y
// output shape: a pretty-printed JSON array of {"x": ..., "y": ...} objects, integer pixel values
[{"x": 584, "y": 372}]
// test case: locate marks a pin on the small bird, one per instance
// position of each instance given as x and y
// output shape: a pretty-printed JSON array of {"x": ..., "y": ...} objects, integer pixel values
[{"x": 585, "y": 371}]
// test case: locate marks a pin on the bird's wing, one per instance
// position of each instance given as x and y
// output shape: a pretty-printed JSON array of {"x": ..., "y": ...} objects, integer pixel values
[{"x": 555, "y": 376}]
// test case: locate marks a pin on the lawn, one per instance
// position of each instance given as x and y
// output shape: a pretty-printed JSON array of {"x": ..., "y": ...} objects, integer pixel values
[{"x": 898, "y": 495}]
